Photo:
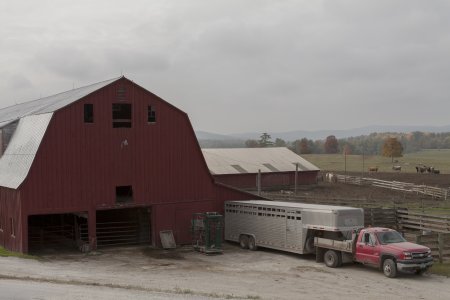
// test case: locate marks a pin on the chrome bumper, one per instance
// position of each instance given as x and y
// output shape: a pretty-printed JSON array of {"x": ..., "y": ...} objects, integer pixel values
[{"x": 413, "y": 266}]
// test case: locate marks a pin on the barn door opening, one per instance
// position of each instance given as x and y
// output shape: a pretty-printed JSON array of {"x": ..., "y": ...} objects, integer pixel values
[
  {"x": 127, "y": 226},
  {"x": 57, "y": 232}
]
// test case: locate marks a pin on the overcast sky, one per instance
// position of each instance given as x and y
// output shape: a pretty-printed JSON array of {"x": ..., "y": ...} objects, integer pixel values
[{"x": 239, "y": 66}]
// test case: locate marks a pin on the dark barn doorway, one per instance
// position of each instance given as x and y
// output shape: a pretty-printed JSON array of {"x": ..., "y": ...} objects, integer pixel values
[
  {"x": 57, "y": 232},
  {"x": 126, "y": 226}
]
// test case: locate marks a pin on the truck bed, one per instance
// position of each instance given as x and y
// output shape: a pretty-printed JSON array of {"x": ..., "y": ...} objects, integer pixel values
[{"x": 344, "y": 246}]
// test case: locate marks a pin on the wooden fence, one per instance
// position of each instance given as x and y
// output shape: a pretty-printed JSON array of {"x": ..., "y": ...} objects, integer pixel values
[
  {"x": 424, "y": 222},
  {"x": 436, "y": 193},
  {"x": 439, "y": 243}
]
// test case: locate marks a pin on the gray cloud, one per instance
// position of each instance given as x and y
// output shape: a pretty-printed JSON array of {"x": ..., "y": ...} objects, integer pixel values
[{"x": 238, "y": 66}]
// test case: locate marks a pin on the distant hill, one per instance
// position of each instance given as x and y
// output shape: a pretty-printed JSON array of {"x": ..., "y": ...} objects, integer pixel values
[
  {"x": 322, "y": 134},
  {"x": 203, "y": 135}
]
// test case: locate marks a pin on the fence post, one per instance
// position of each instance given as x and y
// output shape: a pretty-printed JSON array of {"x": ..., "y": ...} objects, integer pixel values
[
  {"x": 440, "y": 246},
  {"x": 418, "y": 239}
]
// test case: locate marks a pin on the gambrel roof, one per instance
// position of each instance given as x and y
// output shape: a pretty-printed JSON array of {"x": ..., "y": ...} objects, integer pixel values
[
  {"x": 48, "y": 104},
  {"x": 32, "y": 119}
]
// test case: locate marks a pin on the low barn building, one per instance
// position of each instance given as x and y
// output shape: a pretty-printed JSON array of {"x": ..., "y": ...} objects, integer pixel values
[
  {"x": 105, "y": 164},
  {"x": 239, "y": 167}
]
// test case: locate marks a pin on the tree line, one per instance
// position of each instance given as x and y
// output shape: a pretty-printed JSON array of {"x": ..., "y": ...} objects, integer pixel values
[{"x": 372, "y": 144}]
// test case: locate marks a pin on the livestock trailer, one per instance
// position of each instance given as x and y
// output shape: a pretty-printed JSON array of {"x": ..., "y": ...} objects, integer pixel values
[{"x": 288, "y": 226}]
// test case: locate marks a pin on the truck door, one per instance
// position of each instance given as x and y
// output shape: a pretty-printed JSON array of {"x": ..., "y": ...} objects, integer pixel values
[{"x": 367, "y": 249}]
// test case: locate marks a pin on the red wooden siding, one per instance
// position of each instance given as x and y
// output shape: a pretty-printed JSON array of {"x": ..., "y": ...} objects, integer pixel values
[
  {"x": 10, "y": 209},
  {"x": 268, "y": 180}
]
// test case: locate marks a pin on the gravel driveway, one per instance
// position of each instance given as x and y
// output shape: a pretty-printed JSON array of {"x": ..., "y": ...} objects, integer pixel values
[{"x": 241, "y": 274}]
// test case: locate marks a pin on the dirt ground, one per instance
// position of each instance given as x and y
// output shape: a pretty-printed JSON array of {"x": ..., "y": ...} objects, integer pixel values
[
  {"x": 236, "y": 274},
  {"x": 379, "y": 195}
]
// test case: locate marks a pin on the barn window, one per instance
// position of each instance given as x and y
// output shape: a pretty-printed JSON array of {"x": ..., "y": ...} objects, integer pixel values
[
  {"x": 151, "y": 115},
  {"x": 1, "y": 224},
  {"x": 13, "y": 232},
  {"x": 89, "y": 113},
  {"x": 124, "y": 194},
  {"x": 121, "y": 113}
]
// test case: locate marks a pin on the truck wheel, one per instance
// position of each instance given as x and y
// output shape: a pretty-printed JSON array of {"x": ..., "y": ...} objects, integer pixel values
[
  {"x": 331, "y": 259},
  {"x": 243, "y": 241},
  {"x": 252, "y": 244},
  {"x": 389, "y": 268}
]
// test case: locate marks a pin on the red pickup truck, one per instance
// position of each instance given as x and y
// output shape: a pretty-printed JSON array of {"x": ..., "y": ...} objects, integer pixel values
[{"x": 382, "y": 248}]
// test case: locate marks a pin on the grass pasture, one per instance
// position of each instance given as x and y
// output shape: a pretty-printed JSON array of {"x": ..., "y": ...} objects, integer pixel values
[
  {"x": 438, "y": 158},
  {"x": 6, "y": 253}
]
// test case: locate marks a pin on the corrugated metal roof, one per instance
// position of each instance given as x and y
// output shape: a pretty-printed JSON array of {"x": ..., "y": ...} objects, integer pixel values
[
  {"x": 48, "y": 104},
  {"x": 19, "y": 155},
  {"x": 250, "y": 160},
  {"x": 296, "y": 205}
]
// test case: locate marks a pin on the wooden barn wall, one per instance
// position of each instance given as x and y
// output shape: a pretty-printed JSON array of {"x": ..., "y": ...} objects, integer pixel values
[
  {"x": 268, "y": 180},
  {"x": 79, "y": 165},
  {"x": 10, "y": 209}
]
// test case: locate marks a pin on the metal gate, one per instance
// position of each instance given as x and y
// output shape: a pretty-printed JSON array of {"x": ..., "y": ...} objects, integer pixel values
[{"x": 130, "y": 226}]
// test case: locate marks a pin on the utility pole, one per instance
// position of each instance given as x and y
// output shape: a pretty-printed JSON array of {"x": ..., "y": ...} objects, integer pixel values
[
  {"x": 296, "y": 177},
  {"x": 259, "y": 182},
  {"x": 345, "y": 166}
]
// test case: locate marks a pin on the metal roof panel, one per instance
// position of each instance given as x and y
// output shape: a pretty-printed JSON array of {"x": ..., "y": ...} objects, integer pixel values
[
  {"x": 48, "y": 104},
  {"x": 277, "y": 159},
  {"x": 19, "y": 155}
]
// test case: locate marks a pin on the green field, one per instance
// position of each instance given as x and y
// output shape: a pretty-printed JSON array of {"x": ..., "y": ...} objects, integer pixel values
[{"x": 440, "y": 159}]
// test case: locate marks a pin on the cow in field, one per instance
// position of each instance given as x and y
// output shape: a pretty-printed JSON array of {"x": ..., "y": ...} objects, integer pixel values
[
  {"x": 373, "y": 169},
  {"x": 397, "y": 168},
  {"x": 433, "y": 170},
  {"x": 421, "y": 169}
]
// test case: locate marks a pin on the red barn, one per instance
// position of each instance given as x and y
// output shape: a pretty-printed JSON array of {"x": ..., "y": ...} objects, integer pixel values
[
  {"x": 105, "y": 164},
  {"x": 239, "y": 167}
]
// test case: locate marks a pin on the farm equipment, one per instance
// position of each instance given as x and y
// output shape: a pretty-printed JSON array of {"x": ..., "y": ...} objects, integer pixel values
[{"x": 207, "y": 232}]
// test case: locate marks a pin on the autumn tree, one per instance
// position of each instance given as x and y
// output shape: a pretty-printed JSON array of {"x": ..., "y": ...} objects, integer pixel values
[
  {"x": 331, "y": 145},
  {"x": 265, "y": 140},
  {"x": 347, "y": 149},
  {"x": 392, "y": 148},
  {"x": 304, "y": 146}
]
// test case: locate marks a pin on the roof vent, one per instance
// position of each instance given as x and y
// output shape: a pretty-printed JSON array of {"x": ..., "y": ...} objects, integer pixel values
[
  {"x": 121, "y": 93},
  {"x": 239, "y": 169}
]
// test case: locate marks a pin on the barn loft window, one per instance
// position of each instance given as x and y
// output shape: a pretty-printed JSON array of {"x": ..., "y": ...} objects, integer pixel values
[
  {"x": 151, "y": 115},
  {"x": 124, "y": 194},
  {"x": 121, "y": 114},
  {"x": 89, "y": 113}
]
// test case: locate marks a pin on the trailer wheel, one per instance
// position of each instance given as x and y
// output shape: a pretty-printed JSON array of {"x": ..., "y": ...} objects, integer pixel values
[
  {"x": 331, "y": 259},
  {"x": 243, "y": 241},
  {"x": 252, "y": 244},
  {"x": 309, "y": 245},
  {"x": 389, "y": 268}
]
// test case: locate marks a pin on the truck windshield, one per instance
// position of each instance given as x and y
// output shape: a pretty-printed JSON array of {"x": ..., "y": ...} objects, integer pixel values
[{"x": 390, "y": 237}]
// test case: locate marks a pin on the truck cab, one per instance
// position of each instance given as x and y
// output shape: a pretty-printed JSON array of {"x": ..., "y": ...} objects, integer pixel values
[{"x": 387, "y": 249}]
